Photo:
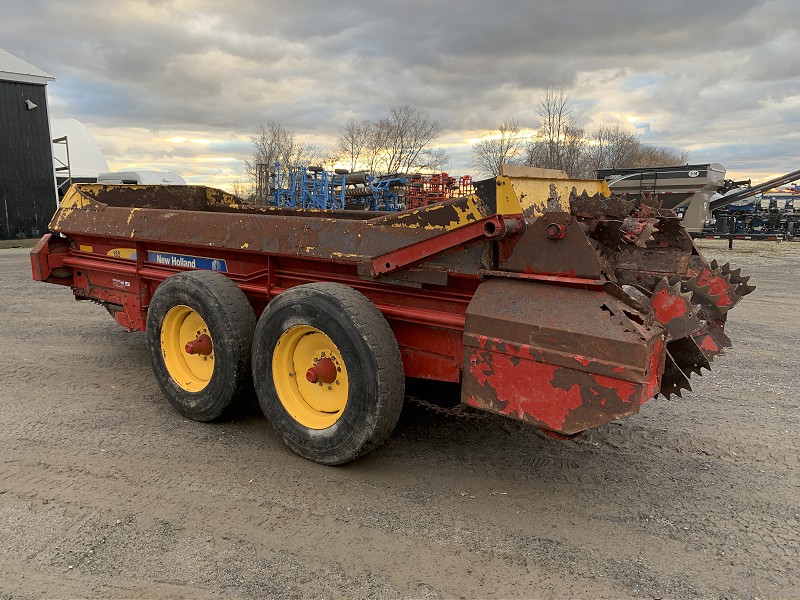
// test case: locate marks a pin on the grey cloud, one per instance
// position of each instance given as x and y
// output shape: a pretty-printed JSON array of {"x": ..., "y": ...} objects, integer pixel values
[{"x": 692, "y": 68}]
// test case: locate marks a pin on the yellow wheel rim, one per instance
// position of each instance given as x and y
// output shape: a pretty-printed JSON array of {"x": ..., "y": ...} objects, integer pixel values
[
  {"x": 310, "y": 377},
  {"x": 182, "y": 325}
]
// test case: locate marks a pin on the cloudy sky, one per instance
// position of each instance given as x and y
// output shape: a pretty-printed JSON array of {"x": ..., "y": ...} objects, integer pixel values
[{"x": 179, "y": 85}]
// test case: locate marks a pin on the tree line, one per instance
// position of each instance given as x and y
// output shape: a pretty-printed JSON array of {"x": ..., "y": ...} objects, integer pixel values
[
  {"x": 560, "y": 143},
  {"x": 400, "y": 142},
  {"x": 403, "y": 141}
]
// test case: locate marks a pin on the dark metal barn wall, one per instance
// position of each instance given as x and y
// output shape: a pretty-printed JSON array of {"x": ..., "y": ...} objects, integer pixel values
[{"x": 27, "y": 189}]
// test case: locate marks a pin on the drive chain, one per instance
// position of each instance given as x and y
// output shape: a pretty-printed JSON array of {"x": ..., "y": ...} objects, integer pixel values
[{"x": 460, "y": 411}]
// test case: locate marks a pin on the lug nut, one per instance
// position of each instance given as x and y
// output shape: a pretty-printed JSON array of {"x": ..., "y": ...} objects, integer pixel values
[{"x": 556, "y": 231}]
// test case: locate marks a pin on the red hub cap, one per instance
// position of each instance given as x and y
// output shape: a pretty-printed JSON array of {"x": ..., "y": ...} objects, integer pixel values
[
  {"x": 200, "y": 345},
  {"x": 324, "y": 371}
]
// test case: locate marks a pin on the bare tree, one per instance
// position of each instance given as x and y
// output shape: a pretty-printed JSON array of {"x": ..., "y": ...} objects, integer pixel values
[
  {"x": 615, "y": 146},
  {"x": 407, "y": 134},
  {"x": 569, "y": 157},
  {"x": 375, "y": 146},
  {"x": 650, "y": 156},
  {"x": 273, "y": 143},
  {"x": 242, "y": 190},
  {"x": 495, "y": 148},
  {"x": 559, "y": 141},
  {"x": 573, "y": 150},
  {"x": 561, "y": 144},
  {"x": 353, "y": 143},
  {"x": 397, "y": 143},
  {"x": 610, "y": 146},
  {"x": 555, "y": 116},
  {"x": 431, "y": 159}
]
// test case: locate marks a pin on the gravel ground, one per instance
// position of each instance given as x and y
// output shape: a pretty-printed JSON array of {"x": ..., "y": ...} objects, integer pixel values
[{"x": 106, "y": 492}]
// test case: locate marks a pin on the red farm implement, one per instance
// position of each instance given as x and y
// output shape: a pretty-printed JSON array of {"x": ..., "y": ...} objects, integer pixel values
[
  {"x": 422, "y": 190},
  {"x": 565, "y": 319}
]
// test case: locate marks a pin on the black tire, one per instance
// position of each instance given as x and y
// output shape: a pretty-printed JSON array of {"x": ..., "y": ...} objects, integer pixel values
[
  {"x": 231, "y": 322},
  {"x": 373, "y": 364}
]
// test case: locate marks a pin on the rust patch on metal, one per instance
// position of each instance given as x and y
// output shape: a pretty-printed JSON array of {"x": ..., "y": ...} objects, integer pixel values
[
  {"x": 568, "y": 254},
  {"x": 509, "y": 381},
  {"x": 668, "y": 307},
  {"x": 562, "y": 358}
]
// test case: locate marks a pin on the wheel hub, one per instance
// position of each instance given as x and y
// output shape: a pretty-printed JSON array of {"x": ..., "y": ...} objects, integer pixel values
[
  {"x": 317, "y": 400},
  {"x": 187, "y": 348},
  {"x": 324, "y": 371},
  {"x": 200, "y": 345}
]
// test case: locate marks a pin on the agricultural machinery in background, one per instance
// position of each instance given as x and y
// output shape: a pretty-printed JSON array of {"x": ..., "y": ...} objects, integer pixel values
[
  {"x": 712, "y": 206},
  {"x": 767, "y": 217},
  {"x": 423, "y": 190},
  {"x": 709, "y": 204},
  {"x": 315, "y": 187}
]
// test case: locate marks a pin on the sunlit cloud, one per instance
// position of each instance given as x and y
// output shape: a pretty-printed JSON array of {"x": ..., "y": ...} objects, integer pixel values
[{"x": 180, "y": 85}]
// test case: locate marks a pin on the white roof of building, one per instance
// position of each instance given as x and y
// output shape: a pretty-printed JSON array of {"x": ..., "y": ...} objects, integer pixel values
[{"x": 16, "y": 69}]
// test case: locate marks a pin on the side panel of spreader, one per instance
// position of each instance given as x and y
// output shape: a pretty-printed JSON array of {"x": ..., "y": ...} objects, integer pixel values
[{"x": 562, "y": 358}]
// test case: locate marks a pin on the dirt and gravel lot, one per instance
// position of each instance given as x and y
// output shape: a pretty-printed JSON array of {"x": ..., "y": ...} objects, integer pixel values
[{"x": 106, "y": 492}]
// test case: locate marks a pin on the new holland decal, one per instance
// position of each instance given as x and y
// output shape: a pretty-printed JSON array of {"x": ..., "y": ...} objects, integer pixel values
[{"x": 174, "y": 260}]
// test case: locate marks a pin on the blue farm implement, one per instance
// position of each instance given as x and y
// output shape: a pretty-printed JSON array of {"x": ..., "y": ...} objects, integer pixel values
[{"x": 314, "y": 187}]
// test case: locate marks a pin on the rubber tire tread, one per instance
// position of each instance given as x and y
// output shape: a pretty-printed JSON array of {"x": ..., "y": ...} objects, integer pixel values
[
  {"x": 360, "y": 314},
  {"x": 231, "y": 321}
]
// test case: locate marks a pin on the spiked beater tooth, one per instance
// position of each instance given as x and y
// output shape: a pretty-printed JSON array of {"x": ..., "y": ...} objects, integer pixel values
[
  {"x": 673, "y": 381},
  {"x": 609, "y": 234},
  {"x": 711, "y": 339},
  {"x": 638, "y": 231},
  {"x": 675, "y": 310},
  {"x": 647, "y": 199},
  {"x": 648, "y": 233},
  {"x": 619, "y": 206},
  {"x": 713, "y": 291},
  {"x": 743, "y": 289},
  {"x": 669, "y": 227},
  {"x": 702, "y": 297},
  {"x": 717, "y": 283},
  {"x": 736, "y": 279},
  {"x": 735, "y": 276},
  {"x": 714, "y": 265},
  {"x": 583, "y": 205},
  {"x": 696, "y": 264},
  {"x": 717, "y": 330},
  {"x": 688, "y": 356},
  {"x": 598, "y": 206}
]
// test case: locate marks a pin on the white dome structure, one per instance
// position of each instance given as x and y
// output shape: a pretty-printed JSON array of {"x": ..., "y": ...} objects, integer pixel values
[{"x": 86, "y": 159}]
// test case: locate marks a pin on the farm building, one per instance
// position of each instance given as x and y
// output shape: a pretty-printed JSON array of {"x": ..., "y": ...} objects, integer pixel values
[{"x": 27, "y": 182}]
